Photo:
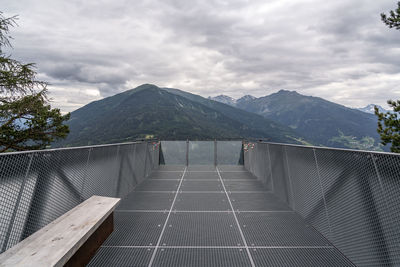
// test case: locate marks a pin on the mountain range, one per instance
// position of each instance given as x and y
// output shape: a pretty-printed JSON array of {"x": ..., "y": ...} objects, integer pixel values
[
  {"x": 320, "y": 121},
  {"x": 371, "y": 109},
  {"x": 245, "y": 99},
  {"x": 173, "y": 114},
  {"x": 168, "y": 114}
]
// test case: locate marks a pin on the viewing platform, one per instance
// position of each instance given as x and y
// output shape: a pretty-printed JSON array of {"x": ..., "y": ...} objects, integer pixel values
[
  {"x": 211, "y": 216},
  {"x": 212, "y": 203}
]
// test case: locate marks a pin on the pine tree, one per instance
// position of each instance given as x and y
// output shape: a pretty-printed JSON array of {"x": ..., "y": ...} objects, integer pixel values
[
  {"x": 27, "y": 120},
  {"x": 389, "y": 122},
  {"x": 393, "y": 21},
  {"x": 389, "y": 126}
]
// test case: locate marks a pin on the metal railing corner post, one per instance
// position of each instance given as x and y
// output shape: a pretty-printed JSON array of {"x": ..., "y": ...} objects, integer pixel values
[
  {"x": 145, "y": 159},
  {"x": 215, "y": 153},
  {"x": 270, "y": 170},
  {"x": 187, "y": 152}
]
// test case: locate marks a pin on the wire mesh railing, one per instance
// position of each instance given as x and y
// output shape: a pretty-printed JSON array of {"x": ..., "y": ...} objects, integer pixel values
[
  {"x": 39, "y": 186},
  {"x": 351, "y": 197},
  {"x": 216, "y": 152}
]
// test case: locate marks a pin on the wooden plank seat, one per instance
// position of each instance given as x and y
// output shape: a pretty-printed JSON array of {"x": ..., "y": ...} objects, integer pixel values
[{"x": 70, "y": 240}]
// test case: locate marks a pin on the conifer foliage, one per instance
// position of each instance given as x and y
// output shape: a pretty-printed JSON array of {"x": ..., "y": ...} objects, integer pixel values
[
  {"x": 389, "y": 122},
  {"x": 27, "y": 120},
  {"x": 389, "y": 126},
  {"x": 393, "y": 20}
]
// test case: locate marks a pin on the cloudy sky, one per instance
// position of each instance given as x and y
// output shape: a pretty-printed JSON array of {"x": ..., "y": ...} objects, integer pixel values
[{"x": 87, "y": 50}]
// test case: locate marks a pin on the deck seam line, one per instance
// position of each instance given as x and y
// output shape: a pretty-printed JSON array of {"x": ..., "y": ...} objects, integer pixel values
[
  {"x": 211, "y": 211},
  {"x": 237, "y": 221},
  {"x": 201, "y": 171},
  {"x": 148, "y": 192},
  {"x": 186, "y": 171},
  {"x": 162, "y": 179},
  {"x": 166, "y": 221},
  {"x": 233, "y": 171},
  {"x": 186, "y": 179},
  {"x": 227, "y": 247},
  {"x": 221, "y": 191},
  {"x": 166, "y": 171}
]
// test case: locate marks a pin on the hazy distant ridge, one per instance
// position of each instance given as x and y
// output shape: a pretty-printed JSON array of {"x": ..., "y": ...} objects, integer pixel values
[{"x": 321, "y": 121}]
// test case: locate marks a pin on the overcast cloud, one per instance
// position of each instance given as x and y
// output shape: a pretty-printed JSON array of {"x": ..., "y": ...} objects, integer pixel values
[{"x": 338, "y": 50}]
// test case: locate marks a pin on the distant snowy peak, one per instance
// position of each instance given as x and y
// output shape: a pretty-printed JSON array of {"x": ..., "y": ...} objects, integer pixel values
[
  {"x": 231, "y": 101},
  {"x": 224, "y": 99},
  {"x": 370, "y": 109},
  {"x": 246, "y": 98}
]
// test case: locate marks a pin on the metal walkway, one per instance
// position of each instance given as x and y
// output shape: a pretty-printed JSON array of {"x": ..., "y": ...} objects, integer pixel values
[{"x": 207, "y": 216}]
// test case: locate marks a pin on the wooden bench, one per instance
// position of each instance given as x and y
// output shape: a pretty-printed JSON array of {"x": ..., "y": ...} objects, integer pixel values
[{"x": 70, "y": 240}]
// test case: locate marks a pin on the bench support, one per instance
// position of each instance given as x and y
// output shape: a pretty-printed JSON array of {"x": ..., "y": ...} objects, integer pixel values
[{"x": 86, "y": 252}]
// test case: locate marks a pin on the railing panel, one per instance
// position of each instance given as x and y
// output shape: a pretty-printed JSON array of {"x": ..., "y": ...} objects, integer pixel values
[
  {"x": 174, "y": 152},
  {"x": 388, "y": 174},
  {"x": 264, "y": 171},
  {"x": 155, "y": 152},
  {"x": 355, "y": 205},
  {"x": 351, "y": 197},
  {"x": 13, "y": 172},
  {"x": 102, "y": 171},
  {"x": 126, "y": 179},
  {"x": 308, "y": 198},
  {"x": 229, "y": 152},
  {"x": 37, "y": 187},
  {"x": 140, "y": 162},
  {"x": 201, "y": 152},
  {"x": 54, "y": 186},
  {"x": 280, "y": 176}
]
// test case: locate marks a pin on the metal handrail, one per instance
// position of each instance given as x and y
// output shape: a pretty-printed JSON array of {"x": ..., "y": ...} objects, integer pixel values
[
  {"x": 77, "y": 147},
  {"x": 322, "y": 147}
]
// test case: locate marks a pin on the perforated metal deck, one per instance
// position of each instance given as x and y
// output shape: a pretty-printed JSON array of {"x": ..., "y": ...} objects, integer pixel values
[{"x": 207, "y": 216}]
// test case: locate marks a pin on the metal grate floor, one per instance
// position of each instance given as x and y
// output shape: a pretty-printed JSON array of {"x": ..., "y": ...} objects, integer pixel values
[{"x": 211, "y": 216}]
